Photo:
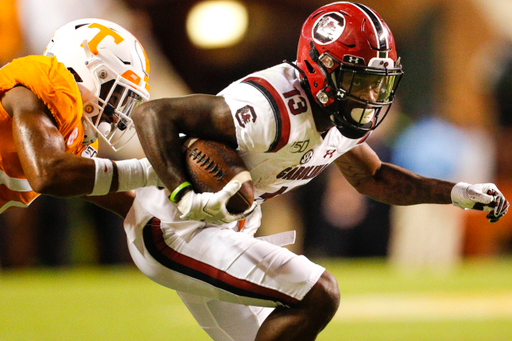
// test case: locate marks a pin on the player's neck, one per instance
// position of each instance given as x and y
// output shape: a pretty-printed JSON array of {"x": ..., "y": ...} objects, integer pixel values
[{"x": 322, "y": 122}]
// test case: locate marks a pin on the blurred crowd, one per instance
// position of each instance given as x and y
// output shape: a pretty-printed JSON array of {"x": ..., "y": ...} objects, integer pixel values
[{"x": 452, "y": 122}]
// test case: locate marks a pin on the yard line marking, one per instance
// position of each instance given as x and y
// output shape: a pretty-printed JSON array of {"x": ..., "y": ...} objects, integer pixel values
[{"x": 437, "y": 306}]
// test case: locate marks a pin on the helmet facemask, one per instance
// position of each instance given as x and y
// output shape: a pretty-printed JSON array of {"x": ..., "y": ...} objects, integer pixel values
[
  {"x": 354, "y": 96},
  {"x": 108, "y": 110}
]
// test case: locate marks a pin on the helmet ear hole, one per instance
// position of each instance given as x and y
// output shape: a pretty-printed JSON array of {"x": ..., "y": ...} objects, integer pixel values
[
  {"x": 309, "y": 66},
  {"x": 105, "y": 89},
  {"x": 77, "y": 77}
]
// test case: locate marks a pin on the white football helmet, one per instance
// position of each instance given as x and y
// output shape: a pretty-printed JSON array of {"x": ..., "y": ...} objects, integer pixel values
[{"x": 111, "y": 69}]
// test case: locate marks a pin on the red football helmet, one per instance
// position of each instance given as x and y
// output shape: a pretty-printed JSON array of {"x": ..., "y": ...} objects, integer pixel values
[{"x": 347, "y": 59}]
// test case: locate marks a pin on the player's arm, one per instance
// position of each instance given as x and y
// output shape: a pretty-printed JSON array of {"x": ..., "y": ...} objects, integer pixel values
[
  {"x": 389, "y": 183},
  {"x": 52, "y": 171},
  {"x": 159, "y": 124},
  {"x": 118, "y": 203},
  {"x": 394, "y": 185},
  {"x": 41, "y": 149}
]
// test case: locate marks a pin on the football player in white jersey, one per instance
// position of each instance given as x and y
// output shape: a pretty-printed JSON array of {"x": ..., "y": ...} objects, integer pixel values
[{"x": 288, "y": 123}]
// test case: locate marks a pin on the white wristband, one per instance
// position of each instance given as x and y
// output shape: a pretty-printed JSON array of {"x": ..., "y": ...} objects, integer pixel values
[
  {"x": 132, "y": 174},
  {"x": 103, "y": 178}
]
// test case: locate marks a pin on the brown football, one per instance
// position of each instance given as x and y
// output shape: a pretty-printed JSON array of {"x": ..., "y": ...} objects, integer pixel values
[{"x": 211, "y": 165}]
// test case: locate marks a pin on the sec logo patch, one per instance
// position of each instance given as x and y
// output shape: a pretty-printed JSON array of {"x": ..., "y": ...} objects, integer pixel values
[
  {"x": 72, "y": 138},
  {"x": 306, "y": 157}
]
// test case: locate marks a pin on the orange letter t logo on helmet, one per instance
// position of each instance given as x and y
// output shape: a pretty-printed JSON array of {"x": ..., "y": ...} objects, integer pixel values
[{"x": 104, "y": 32}]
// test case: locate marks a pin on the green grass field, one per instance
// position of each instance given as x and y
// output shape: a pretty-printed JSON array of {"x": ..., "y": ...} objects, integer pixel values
[{"x": 472, "y": 302}]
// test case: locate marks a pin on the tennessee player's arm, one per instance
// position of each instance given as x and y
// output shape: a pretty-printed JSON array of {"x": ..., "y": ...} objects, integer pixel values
[
  {"x": 389, "y": 183},
  {"x": 41, "y": 149},
  {"x": 159, "y": 123}
]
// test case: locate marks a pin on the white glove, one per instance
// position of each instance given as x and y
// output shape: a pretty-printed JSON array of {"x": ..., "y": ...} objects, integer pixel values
[
  {"x": 152, "y": 178},
  {"x": 483, "y": 197},
  {"x": 211, "y": 207}
]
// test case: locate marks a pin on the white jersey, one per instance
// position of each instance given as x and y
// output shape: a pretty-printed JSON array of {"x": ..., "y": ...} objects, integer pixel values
[
  {"x": 222, "y": 274},
  {"x": 276, "y": 133},
  {"x": 277, "y": 139}
]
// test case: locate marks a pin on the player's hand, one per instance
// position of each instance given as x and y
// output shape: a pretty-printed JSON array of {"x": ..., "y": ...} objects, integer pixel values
[
  {"x": 211, "y": 207},
  {"x": 152, "y": 178},
  {"x": 483, "y": 197}
]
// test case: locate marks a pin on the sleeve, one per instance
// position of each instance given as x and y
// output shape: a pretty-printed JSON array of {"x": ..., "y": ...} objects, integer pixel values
[
  {"x": 260, "y": 115},
  {"x": 55, "y": 86}
]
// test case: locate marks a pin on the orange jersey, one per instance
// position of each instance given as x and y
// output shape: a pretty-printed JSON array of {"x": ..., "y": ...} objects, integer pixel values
[{"x": 56, "y": 87}]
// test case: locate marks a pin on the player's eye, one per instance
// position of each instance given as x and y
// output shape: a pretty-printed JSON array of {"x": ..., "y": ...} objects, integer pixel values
[
  {"x": 377, "y": 84},
  {"x": 114, "y": 99}
]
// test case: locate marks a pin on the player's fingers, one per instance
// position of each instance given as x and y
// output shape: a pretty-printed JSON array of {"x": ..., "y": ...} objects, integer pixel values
[
  {"x": 220, "y": 198},
  {"x": 480, "y": 197},
  {"x": 231, "y": 188},
  {"x": 506, "y": 206},
  {"x": 234, "y": 217},
  {"x": 502, "y": 207},
  {"x": 229, "y": 217},
  {"x": 499, "y": 206},
  {"x": 251, "y": 209},
  {"x": 494, "y": 217}
]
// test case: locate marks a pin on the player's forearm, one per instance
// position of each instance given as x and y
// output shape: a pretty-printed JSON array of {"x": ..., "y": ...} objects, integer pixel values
[
  {"x": 67, "y": 176},
  {"x": 397, "y": 186},
  {"x": 158, "y": 133},
  {"x": 60, "y": 174}
]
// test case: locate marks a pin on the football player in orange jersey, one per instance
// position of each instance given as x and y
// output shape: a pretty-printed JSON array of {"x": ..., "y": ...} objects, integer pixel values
[{"x": 55, "y": 106}]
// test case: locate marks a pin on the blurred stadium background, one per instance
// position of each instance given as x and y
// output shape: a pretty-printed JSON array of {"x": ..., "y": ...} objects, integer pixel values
[{"x": 425, "y": 272}]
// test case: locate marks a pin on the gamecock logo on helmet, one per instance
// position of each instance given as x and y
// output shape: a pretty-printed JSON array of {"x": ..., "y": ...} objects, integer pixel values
[
  {"x": 328, "y": 28},
  {"x": 245, "y": 115}
]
